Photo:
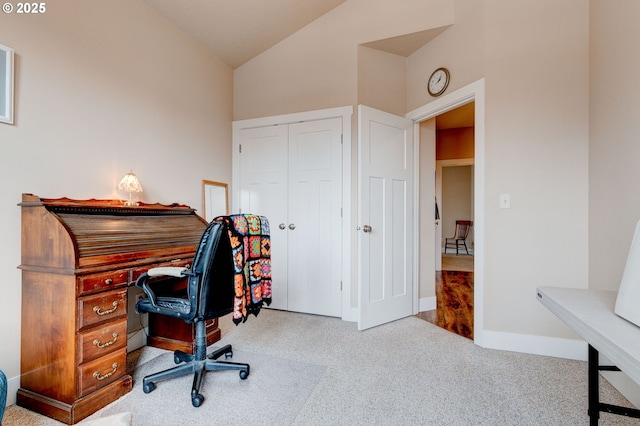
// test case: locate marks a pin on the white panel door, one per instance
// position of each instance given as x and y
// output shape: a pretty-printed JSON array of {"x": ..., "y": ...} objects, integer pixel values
[
  {"x": 263, "y": 191},
  {"x": 315, "y": 222},
  {"x": 385, "y": 201}
]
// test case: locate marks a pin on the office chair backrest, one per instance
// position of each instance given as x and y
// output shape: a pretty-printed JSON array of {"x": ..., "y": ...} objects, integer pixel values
[{"x": 211, "y": 286}]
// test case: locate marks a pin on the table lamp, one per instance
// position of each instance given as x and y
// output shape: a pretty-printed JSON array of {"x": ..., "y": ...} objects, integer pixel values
[{"x": 130, "y": 184}]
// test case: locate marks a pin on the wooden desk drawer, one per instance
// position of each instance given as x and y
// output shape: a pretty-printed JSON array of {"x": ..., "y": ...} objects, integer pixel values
[
  {"x": 103, "y": 281},
  {"x": 102, "y": 371},
  {"x": 101, "y": 307},
  {"x": 101, "y": 340}
]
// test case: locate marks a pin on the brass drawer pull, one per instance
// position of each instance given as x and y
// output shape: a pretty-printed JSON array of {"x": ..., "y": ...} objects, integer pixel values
[
  {"x": 104, "y": 345},
  {"x": 98, "y": 310},
  {"x": 109, "y": 374}
]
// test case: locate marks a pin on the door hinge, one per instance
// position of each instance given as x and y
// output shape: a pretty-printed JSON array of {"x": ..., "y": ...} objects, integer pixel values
[
  {"x": 340, "y": 285},
  {"x": 240, "y": 148},
  {"x": 341, "y": 139}
]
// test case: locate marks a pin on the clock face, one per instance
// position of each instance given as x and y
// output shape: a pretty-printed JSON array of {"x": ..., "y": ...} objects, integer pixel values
[{"x": 438, "y": 82}]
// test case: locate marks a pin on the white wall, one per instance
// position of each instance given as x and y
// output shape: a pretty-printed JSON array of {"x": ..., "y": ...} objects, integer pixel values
[
  {"x": 102, "y": 88},
  {"x": 429, "y": 232},
  {"x": 316, "y": 67},
  {"x": 614, "y": 150},
  {"x": 457, "y": 200},
  {"x": 536, "y": 137},
  {"x": 382, "y": 80},
  {"x": 460, "y": 48}
]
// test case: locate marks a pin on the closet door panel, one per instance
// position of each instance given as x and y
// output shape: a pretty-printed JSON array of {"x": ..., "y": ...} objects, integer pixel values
[
  {"x": 263, "y": 191},
  {"x": 315, "y": 209}
]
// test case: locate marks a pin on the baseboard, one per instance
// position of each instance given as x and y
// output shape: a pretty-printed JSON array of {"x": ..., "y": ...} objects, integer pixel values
[
  {"x": 427, "y": 304},
  {"x": 13, "y": 384},
  {"x": 136, "y": 340},
  {"x": 350, "y": 315},
  {"x": 536, "y": 345}
]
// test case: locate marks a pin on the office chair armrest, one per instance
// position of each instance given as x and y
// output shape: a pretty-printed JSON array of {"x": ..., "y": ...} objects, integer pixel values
[
  {"x": 167, "y": 271},
  {"x": 142, "y": 282},
  {"x": 171, "y": 271}
]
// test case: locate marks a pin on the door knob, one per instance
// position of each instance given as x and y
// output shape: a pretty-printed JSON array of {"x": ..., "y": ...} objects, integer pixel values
[
  {"x": 282, "y": 226},
  {"x": 366, "y": 228},
  {"x": 292, "y": 226}
]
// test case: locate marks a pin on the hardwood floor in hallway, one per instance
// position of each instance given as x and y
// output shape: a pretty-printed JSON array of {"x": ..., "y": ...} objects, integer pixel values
[{"x": 454, "y": 303}]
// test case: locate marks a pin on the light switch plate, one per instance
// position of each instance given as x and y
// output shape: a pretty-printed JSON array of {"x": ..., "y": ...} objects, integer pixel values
[{"x": 505, "y": 201}]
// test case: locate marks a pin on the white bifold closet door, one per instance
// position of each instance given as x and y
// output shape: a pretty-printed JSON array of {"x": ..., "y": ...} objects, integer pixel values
[{"x": 292, "y": 174}]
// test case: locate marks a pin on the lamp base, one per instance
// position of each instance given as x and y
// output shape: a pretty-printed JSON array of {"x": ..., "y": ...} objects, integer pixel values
[{"x": 131, "y": 203}]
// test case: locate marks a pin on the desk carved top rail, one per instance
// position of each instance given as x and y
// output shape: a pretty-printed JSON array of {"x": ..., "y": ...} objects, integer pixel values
[{"x": 90, "y": 235}]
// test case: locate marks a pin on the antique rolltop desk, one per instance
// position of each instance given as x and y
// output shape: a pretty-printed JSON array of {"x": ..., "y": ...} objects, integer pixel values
[{"x": 78, "y": 259}]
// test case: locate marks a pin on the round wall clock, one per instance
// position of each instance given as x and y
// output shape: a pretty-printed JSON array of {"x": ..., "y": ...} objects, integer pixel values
[{"x": 438, "y": 82}]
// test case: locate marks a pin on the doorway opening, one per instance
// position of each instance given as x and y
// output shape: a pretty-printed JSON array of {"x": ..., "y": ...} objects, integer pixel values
[
  {"x": 454, "y": 190},
  {"x": 430, "y": 243}
]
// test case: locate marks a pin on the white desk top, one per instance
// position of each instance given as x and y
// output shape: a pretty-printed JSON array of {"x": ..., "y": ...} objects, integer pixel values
[{"x": 590, "y": 314}]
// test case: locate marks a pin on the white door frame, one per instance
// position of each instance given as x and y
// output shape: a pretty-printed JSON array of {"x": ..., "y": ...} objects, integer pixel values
[
  {"x": 348, "y": 313},
  {"x": 464, "y": 95}
]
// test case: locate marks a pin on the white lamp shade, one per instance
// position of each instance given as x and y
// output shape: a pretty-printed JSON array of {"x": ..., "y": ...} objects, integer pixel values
[{"x": 130, "y": 183}]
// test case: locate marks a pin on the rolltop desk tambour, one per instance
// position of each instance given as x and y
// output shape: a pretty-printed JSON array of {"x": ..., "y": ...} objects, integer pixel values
[{"x": 78, "y": 258}]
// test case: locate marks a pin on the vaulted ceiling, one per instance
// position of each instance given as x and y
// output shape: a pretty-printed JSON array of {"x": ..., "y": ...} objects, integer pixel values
[{"x": 238, "y": 30}]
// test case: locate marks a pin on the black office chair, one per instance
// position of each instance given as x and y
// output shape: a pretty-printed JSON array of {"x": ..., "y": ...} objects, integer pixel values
[
  {"x": 460, "y": 236},
  {"x": 209, "y": 294}
]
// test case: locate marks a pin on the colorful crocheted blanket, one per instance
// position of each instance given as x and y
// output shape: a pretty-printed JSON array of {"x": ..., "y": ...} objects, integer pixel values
[{"x": 251, "y": 247}]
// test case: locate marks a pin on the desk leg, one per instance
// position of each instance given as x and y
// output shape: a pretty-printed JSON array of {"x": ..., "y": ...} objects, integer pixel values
[
  {"x": 595, "y": 406},
  {"x": 594, "y": 387}
]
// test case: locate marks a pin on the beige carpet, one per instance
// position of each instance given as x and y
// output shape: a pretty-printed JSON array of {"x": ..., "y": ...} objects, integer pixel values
[
  {"x": 313, "y": 370},
  {"x": 272, "y": 382}
]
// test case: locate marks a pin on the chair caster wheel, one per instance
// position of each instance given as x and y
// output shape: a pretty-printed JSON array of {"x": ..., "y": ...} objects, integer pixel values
[
  {"x": 228, "y": 355},
  {"x": 176, "y": 359},
  {"x": 244, "y": 374},
  {"x": 197, "y": 400},
  {"x": 146, "y": 388}
]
